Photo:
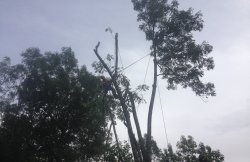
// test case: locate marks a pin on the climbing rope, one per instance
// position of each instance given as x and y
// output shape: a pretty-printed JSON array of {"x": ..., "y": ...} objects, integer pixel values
[
  {"x": 146, "y": 71},
  {"x": 135, "y": 62}
]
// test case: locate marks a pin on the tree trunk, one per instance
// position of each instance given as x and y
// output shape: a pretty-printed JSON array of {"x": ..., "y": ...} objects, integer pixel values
[
  {"x": 138, "y": 129},
  {"x": 150, "y": 111}
]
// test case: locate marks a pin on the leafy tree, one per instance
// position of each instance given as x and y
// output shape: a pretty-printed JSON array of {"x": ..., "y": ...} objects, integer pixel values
[
  {"x": 189, "y": 151},
  {"x": 206, "y": 154},
  {"x": 181, "y": 61},
  {"x": 50, "y": 109}
]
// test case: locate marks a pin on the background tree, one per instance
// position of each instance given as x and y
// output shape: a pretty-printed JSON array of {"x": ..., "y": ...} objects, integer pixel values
[
  {"x": 189, "y": 151},
  {"x": 181, "y": 61},
  {"x": 186, "y": 149},
  {"x": 50, "y": 109},
  {"x": 113, "y": 153}
]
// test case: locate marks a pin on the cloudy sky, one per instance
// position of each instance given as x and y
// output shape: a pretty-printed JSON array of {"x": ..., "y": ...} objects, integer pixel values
[{"x": 223, "y": 122}]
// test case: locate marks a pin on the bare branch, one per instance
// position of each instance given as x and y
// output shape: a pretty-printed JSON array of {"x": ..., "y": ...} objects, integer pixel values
[
  {"x": 116, "y": 54},
  {"x": 134, "y": 144}
]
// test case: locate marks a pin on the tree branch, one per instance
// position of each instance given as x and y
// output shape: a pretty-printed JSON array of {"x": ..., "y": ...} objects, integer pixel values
[
  {"x": 116, "y": 54},
  {"x": 132, "y": 138}
]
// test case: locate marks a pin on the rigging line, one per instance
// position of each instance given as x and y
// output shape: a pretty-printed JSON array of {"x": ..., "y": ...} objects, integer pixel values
[
  {"x": 135, "y": 62},
  {"x": 144, "y": 80},
  {"x": 162, "y": 114},
  {"x": 146, "y": 71}
]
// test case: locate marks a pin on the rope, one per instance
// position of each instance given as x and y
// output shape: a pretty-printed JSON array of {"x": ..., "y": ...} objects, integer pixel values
[
  {"x": 135, "y": 62},
  {"x": 144, "y": 80},
  {"x": 162, "y": 114},
  {"x": 146, "y": 71}
]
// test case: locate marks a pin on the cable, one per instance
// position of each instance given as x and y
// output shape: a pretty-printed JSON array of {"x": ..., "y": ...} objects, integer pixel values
[
  {"x": 144, "y": 80},
  {"x": 146, "y": 71},
  {"x": 135, "y": 62},
  {"x": 162, "y": 114}
]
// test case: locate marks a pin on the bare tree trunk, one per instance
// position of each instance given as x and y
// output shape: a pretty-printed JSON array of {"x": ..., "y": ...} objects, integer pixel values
[
  {"x": 124, "y": 107},
  {"x": 150, "y": 111}
]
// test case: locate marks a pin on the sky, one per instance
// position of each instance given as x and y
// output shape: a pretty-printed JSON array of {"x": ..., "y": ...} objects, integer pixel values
[{"x": 223, "y": 122}]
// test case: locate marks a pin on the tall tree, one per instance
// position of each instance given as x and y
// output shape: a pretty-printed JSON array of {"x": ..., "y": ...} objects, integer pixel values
[
  {"x": 181, "y": 61},
  {"x": 51, "y": 109}
]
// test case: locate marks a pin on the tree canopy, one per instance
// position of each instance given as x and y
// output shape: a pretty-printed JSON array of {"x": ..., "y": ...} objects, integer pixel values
[
  {"x": 189, "y": 151},
  {"x": 180, "y": 59},
  {"x": 50, "y": 109}
]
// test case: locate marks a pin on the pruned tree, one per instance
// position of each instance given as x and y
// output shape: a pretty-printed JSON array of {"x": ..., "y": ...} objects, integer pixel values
[{"x": 121, "y": 85}]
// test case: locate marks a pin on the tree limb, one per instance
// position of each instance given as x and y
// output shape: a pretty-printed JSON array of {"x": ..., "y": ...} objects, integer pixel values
[
  {"x": 124, "y": 107},
  {"x": 116, "y": 54}
]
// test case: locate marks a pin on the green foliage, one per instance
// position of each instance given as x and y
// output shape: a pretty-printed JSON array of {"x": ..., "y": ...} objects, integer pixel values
[
  {"x": 51, "y": 109},
  {"x": 180, "y": 59},
  {"x": 206, "y": 154},
  {"x": 169, "y": 155},
  {"x": 113, "y": 153},
  {"x": 156, "y": 151},
  {"x": 189, "y": 151}
]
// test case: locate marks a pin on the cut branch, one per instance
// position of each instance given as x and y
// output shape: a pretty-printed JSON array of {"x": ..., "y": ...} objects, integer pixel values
[
  {"x": 116, "y": 54},
  {"x": 132, "y": 138}
]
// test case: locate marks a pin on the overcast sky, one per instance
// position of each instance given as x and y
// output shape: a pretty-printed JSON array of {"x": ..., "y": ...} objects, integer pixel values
[{"x": 223, "y": 122}]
